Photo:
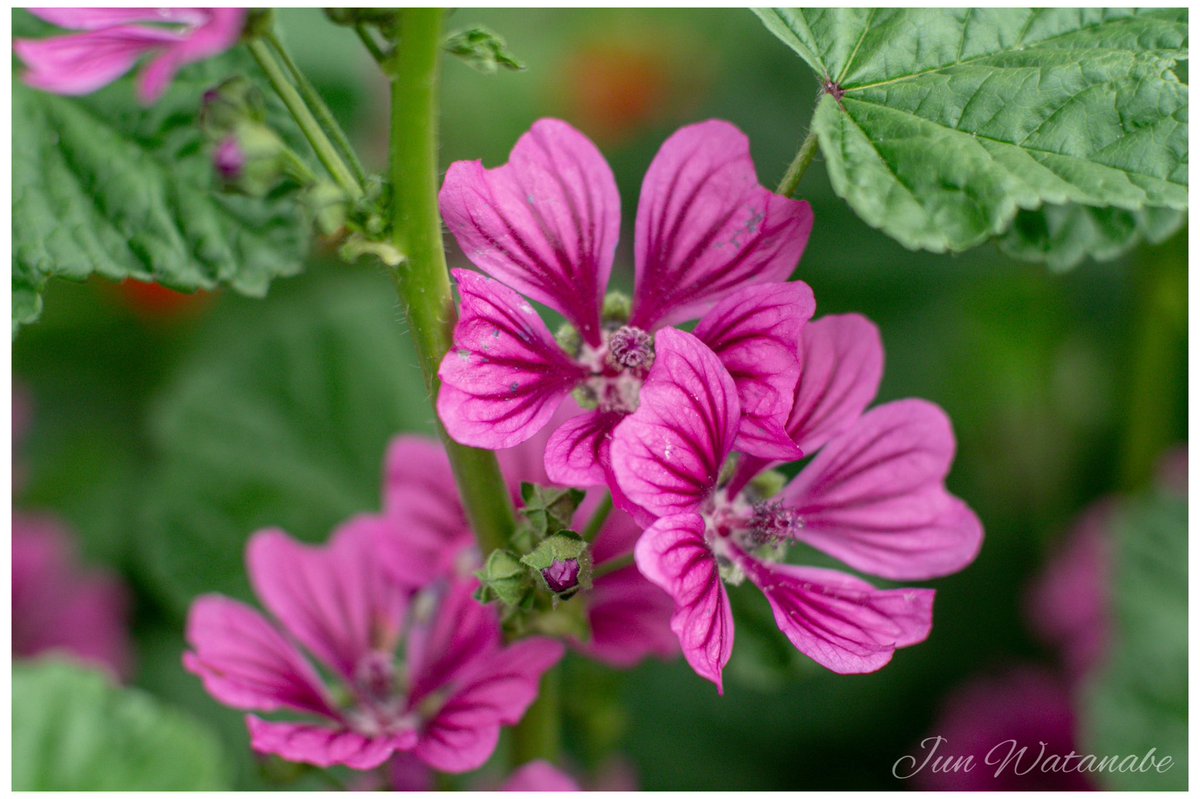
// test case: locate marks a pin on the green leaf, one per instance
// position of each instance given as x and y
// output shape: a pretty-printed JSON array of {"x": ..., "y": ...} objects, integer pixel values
[
  {"x": 939, "y": 125},
  {"x": 75, "y": 730},
  {"x": 482, "y": 49},
  {"x": 1063, "y": 235},
  {"x": 1139, "y": 700},
  {"x": 104, "y": 186},
  {"x": 279, "y": 418}
]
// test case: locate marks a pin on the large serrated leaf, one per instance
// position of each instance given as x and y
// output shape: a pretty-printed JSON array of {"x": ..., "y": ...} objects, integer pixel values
[
  {"x": 75, "y": 730},
  {"x": 1063, "y": 235},
  {"x": 939, "y": 125},
  {"x": 1139, "y": 699},
  {"x": 102, "y": 186},
  {"x": 280, "y": 418}
]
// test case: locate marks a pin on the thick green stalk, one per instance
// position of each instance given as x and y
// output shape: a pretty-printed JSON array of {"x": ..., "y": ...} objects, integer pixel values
[
  {"x": 319, "y": 109},
  {"x": 307, "y": 123},
  {"x": 539, "y": 735},
  {"x": 803, "y": 159},
  {"x": 422, "y": 280}
]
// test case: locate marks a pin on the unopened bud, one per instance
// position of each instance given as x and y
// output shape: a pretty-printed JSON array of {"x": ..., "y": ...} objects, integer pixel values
[
  {"x": 229, "y": 160},
  {"x": 562, "y": 576}
]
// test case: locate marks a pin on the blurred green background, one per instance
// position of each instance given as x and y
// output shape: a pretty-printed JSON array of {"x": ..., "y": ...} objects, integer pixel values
[{"x": 166, "y": 435}]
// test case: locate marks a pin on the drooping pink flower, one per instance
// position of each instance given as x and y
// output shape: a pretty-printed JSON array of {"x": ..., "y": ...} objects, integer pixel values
[
  {"x": 425, "y": 533},
  {"x": 114, "y": 39},
  {"x": 58, "y": 607},
  {"x": 709, "y": 241},
  {"x": 425, "y": 672},
  {"x": 873, "y": 497}
]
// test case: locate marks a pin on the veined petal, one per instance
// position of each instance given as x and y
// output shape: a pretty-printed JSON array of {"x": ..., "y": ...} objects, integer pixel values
[
  {"x": 497, "y": 691},
  {"x": 90, "y": 19},
  {"x": 221, "y": 29},
  {"x": 755, "y": 331},
  {"x": 705, "y": 226},
  {"x": 246, "y": 663},
  {"x": 673, "y": 555},
  {"x": 546, "y": 223},
  {"x": 506, "y": 375},
  {"x": 450, "y": 631},
  {"x": 668, "y": 455},
  {"x": 630, "y": 619},
  {"x": 335, "y": 599},
  {"x": 874, "y": 496},
  {"x": 325, "y": 746},
  {"x": 84, "y": 62},
  {"x": 845, "y": 624},
  {"x": 578, "y": 451},
  {"x": 426, "y": 529}
]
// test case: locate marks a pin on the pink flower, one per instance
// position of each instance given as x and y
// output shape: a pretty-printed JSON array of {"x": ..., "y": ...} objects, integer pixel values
[
  {"x": 539, "y": 776},
  {"x": 425, "y": 672},
  {"x": 424, "y": 533},
  {"x": 709, "y": 241},
  {"x": 873, "y": 497},
  {"x": 114, "y": 39},
  {"x": 57, "y": 607}
]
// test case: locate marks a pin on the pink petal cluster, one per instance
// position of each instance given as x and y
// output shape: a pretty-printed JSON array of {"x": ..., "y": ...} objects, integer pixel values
[
  {"x": 58, "y": 607},
  {"x": 113, "y": 40},
  {"x": 419, "y": 667},
  {"x": 627, "y": 614},
  {"x": 710, "y": 242},
  {"x": 873, "y": 497}
]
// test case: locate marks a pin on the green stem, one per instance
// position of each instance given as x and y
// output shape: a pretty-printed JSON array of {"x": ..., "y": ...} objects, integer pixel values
[
  {"x": 804, "y": 158},
  {"x": 614, "y": 565},
  {"x": 308, "y": 124},
  {"x": 598, "y": 519},
  {"x": 369, "y": 42},
  {"x": 1157, "y": 359},
  {"x": 320, "y": 110},
  {"x": 422, "y": 280},
  {"x": 539, "y": 735}
]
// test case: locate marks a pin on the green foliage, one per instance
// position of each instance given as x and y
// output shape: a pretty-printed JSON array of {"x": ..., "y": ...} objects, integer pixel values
[
  {"x": 1139, "y": 700},
  {"x": 1063, "y": 235},
  {"x": 482, "y": 49},
  {"x": 549, "y": 510},
  {"x": 74, "y": 730},
  {"x": 279, "y": 418},
  {"x": 563, "y": 546},
  {"x": 939, "y": 125},
  {"x": 505, "y": 579},
  {"x": 104, "y": 186}
]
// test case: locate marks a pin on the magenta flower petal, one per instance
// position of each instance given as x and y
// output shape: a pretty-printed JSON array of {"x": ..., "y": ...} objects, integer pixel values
[
  {"x": 496, "y": 690},
  {"x": 754, "y": 331},
  {"x": 425, "y": 529},
  {"x": 246, "y": 663},
  {"x": 335, "y": 599},
  {"x": 220, "y": 31},
  {"x": 705, "y": 226},
  {"x": 506, "y": 374},
  {"x": 668, "y": 454},
  {"x": 578, "y": 451},
  {"x": 874, "y": 496},
  {"x": 630, "y": 620},
  {"x": 325, "y": 746},
  {"x": 84, "y": 62},
  {"x": 443, "y": 646},
  {"x": 90, "y": 19},
  {"x": 841, "y": 622},
  {"x": 546, "y": 223},
  {"x": 673, "y": 555},
  {"x": 539, "y": 776}
]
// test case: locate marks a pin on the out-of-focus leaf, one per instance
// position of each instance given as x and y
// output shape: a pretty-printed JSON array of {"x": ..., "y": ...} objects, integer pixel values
[
  {"x": 1139, "y": 700},
  {"x": 279, "y": 418},
  {"x": 75, "y": 730},
  {"x": 482, "y": 49},
  {"x": 938, "y": 125},
  {"x": 1063, "y": 235},
  {"x": 104, "y": 186}
]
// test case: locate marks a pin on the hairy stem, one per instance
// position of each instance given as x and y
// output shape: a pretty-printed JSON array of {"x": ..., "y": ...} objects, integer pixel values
[
  {"x": 422, "y": 279},
  {"x": 539, "y": 735},
  {"x": 308, "y": 124},
  {"x": 369, "y": 42},
  {"x": 319, "y": 109},
  {"x": 614, "y": 565},
  {"x": 800, "y": 164}
]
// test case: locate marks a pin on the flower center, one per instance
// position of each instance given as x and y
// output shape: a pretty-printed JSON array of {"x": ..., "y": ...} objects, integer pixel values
[
  {"x": 618, "y": 368},
  {"x": 631, "y": 348},
  {"x": 752, "y": 526},
  {"x": 379, "y": 703}
]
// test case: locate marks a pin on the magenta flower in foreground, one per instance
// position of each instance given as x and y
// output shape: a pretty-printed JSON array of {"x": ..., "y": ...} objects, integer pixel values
[
  {"x": 424, "y": 533},
  {"x": 873, "y": 497},
  {"x": 422, "y": 671},
  {"x": 56, "y": 607},
  {"x": 114, "y": 39},
  {"x": 546, "y": 225}
]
